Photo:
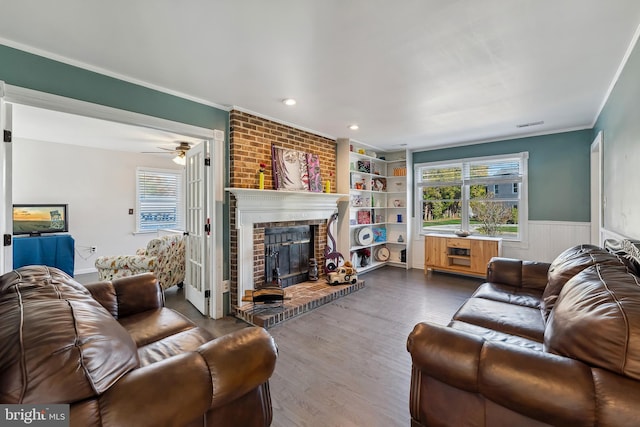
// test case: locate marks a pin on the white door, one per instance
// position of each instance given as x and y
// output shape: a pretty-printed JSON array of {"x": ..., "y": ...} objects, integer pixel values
[
  {"x": 6, "y": 213},
  {"x": 197, "y": 287}
]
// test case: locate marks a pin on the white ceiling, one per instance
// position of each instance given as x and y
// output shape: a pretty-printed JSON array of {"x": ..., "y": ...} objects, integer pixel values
[
  {"x": 425, "y": 73},
  {"x": 54, "y": 126}
]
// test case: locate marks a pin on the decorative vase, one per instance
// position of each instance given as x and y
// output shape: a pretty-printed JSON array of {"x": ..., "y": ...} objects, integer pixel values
[
  {"x": 313, "y": 269},
  {"x": 261, "y": 180}
]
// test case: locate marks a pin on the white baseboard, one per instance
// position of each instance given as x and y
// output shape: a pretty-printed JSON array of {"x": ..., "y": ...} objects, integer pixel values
[{"x": 85, "y": 271}]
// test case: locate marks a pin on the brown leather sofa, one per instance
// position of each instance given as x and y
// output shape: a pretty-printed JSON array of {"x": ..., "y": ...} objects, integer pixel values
[
  {"x": 537, "y": 344},
  {"x": 120, "y": 358}
]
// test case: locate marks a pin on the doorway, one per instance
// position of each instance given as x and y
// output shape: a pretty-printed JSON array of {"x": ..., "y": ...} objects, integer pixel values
[{"x": 136, "y": 127}]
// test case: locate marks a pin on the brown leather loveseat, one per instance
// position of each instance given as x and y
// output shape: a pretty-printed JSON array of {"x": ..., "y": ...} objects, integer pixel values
[
  {"x": 120, "y": 358},
  {"x": 537, "y": 344}
]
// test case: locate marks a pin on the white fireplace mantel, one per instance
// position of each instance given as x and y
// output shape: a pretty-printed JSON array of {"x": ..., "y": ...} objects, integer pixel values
[
  {"x": 257, "y": 206},
  {"x": 273, "y": 205}
]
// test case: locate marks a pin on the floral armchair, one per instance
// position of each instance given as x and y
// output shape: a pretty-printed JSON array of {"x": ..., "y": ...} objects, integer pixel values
[{"x": 164, "y": 256}]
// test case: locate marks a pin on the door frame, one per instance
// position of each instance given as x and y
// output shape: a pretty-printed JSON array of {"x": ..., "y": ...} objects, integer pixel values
[
  {"x": 6, "y": 156},
  {"x": 597, "y": 203},
  {"x": 34, "y": 98}
]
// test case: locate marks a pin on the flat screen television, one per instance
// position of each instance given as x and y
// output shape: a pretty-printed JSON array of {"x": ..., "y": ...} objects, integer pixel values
[{"x": 36, "y": 219}]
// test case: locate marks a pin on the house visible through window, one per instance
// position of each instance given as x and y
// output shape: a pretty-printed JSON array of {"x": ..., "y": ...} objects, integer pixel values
[
  {"x": 159, "y": 199},
  {"x": 484, "y": 195}
]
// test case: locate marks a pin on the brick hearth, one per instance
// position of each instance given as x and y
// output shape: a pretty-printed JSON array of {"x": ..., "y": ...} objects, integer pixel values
[{"x": 299, "y": 299}]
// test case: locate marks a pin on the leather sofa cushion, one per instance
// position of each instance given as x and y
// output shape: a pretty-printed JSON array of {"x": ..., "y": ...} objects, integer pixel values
[
  {"x": 153, "y": 325},
  {"x": 527, "y": 297},
  {"x": 491, "y": 335},
  {"x": 181, "y": 342},
  {"x": 569, "y": 263},
  {"x": 597, "y": 320},
  {"x": 82, "y": 356},
  {"x": 503, "y": 317}
]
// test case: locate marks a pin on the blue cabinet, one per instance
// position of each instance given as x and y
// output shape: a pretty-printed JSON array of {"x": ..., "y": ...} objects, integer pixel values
[{"x": 54, "y": 251}]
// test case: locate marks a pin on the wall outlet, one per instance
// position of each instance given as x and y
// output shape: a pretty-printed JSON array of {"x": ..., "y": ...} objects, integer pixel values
[
  {"x": 226, "y": 285},
  {"x": 93, "y": 249}
]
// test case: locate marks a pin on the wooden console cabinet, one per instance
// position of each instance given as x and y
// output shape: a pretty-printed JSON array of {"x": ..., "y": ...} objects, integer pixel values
[{"x": 466, "y": 255}]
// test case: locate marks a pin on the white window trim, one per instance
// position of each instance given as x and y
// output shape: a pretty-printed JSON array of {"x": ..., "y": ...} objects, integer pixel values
[
  {"x": 523, "y": 207},
  {"x": 181, "y": 201}
]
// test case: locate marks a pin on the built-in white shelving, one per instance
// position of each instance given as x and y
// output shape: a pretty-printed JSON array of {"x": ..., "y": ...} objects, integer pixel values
[{"x": 374, "y": 221}]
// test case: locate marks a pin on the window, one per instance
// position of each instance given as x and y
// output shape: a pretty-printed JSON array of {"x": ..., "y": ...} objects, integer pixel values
[
  {"x": 473, "y": 194},
  {"x": 159, "y": 199}
]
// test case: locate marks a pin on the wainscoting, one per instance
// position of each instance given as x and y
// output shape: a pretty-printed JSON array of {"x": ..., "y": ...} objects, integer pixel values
[{"x": 547, "y": 239}]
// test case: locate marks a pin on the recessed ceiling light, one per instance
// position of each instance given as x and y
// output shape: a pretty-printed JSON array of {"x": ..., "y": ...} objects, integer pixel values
[
  {"x": 354, "y": 127},
  {"x": 289, "y": 101}
]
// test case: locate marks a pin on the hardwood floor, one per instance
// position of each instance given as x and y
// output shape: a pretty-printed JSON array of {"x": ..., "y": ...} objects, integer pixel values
[{"x": 345, "y": 363}]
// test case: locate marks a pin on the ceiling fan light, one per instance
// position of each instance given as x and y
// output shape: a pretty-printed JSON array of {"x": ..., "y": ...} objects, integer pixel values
[{"x": 180, "y": 160}]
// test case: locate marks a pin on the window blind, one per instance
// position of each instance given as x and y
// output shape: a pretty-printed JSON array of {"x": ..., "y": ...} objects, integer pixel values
[{"x": 159, "y": 199}]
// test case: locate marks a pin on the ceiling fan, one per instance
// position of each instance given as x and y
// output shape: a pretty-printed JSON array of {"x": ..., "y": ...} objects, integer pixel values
[{"x": 180, "y": 151}]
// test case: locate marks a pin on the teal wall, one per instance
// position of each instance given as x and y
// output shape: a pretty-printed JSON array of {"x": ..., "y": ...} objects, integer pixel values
[
  {"x": 24, "y": 69},
  {"x": 619, "y": 122},
  {"x": 558, "y": 171},
  {"x": 31, "y": 71}
]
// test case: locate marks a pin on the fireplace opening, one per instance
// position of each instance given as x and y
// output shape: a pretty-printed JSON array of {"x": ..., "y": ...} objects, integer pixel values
[{"x": 287, "y": 254}]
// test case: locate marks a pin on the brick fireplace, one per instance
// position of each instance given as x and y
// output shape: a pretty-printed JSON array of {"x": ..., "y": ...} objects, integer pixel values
[
  {"x": 257, "y": 209},
  {"x": 251, "y": 138}
]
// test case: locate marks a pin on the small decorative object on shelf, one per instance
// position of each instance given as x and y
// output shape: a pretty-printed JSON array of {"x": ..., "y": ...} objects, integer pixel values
[
  {"x": 382, "y": 254},
  {"x": 400, "y": 171},
  {"x": 379, "y": 184},
  {"x": 364, "y": 166},
  {"x": 364, "y": 217},
  {"x": 462, "y": 233},
  {"x": 261, "y": 176},
  {"x": 379, "y": 234},
  {"x": 364, "y": 254},
  {"x": 400, "y": 239},
  {"x": 327, "y": 184}
]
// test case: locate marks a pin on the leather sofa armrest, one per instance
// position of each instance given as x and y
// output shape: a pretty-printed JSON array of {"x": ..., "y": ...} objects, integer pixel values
[
  {"x": 239, "y": 362},
  {"x": 182, "y": 388},
  {"x": 128, "y": 295},
  {"x": 547, "y": 387},
  {"x": 517, "y": 273},
  {"x": 448, "y": 355},
  {"x": 537, "y": 384},
  {"x": 174, "y": 391}
]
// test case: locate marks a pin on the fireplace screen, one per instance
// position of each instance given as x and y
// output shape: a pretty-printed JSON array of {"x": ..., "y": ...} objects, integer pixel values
[{"x": 287, "y": 253}]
